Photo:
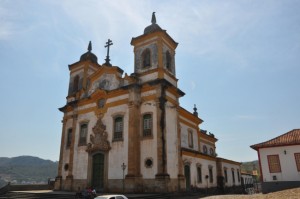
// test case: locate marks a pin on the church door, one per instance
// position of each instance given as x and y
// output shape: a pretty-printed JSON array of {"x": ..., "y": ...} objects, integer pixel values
[
  {"x": 187, "y": 174},
  {"x": 98, "y": 172}
]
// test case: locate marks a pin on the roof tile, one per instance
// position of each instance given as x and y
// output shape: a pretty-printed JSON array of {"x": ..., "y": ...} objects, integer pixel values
[{"x": 290, "y": 138}]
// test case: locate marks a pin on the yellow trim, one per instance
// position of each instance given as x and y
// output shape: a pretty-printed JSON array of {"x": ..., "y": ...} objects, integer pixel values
[
  {"x": 198, "y": 155},
  {"x": 189, "y": 116},
  {"x": 149, "y": 98},
  {"x": 206, "y": 142},
  {"x": 151, "y": 41},
  {"x": 229, "y": 161},
  {"x": 207, "y": 137},
  {"x": 188, "y": 124},
  {"x": 105, "y": 69},
  {"x": 136, "y": 41}
]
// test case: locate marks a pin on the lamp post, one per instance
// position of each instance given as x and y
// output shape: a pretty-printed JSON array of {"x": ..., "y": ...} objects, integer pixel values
[{"x": 123, "y": 168}]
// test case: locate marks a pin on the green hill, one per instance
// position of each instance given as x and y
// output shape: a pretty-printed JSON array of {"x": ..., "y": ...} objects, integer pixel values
[{"x": 26, "y": 170}]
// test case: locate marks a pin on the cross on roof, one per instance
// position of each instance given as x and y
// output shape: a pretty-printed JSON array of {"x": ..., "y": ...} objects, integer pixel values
[{"x": 108, "y": 43}]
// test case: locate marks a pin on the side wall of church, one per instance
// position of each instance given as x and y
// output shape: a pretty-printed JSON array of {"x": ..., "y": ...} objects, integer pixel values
[
  {"x": 204, "y": 165},
  {"x": 185, "y": 137}
]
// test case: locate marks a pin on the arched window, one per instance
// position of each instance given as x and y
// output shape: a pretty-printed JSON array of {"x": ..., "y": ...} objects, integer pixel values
[
  {"x": 147, "y": 125},
  {"x": 118, "y": 128},
  {"x": 75, "y": 83},
  {"x": 199, "y": 174},
  {"x": 146, "y": 58},
  {"x": 168, "y": 60},
  {"x": 211, "y": 177},
  {"x": 83, "y": 134},
  {"x": 211, "y": 151},
  {"x": 204, "y": 149},
  {"x": 190, "y": 138},
  {"x": 233, "y": 177},
  {"x": 225, "y": 175}
]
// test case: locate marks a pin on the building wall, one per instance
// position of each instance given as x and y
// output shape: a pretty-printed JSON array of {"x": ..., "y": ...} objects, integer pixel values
[
  {"x": 149, "y": 145},
  {"x": 287, "y": 162},
  {"x": 172, "y": 140},
  {"x": 205, "y": 164},
  {"x": 230, "y": 167},
  {"x": 185, "y": 137}
]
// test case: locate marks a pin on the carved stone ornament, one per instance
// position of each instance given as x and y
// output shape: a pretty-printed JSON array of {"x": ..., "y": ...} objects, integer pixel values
[{"x": 99, "y": 140}]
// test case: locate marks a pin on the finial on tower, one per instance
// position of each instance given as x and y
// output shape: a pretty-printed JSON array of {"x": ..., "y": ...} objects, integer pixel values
[
  {"x": 153, "y": 20},
  {"x": 195, "y": 110},
  {"x": 90, "y": 46}
]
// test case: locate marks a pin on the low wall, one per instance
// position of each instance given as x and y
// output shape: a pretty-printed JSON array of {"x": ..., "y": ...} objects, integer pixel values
[
  {"x": 268, "y": 187},
  {"x": 29, "y": 187}
]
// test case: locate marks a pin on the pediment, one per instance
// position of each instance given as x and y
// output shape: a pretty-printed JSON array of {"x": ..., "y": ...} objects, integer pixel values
[{"x": 106, "y": 78}]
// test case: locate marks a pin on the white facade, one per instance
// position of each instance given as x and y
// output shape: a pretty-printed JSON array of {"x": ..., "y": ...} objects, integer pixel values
[{"x": 289, "y": 171}]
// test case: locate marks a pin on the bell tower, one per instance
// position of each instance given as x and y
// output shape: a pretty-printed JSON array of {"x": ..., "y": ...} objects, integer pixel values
[{"x": 154, "y": 54}]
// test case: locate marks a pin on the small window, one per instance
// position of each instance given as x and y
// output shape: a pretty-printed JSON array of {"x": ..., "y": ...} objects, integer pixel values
[
  {"x": 211, "y": 151},
  {"x": 211, "y": 178},
  {"x": 83, "y": 134},
  {"x": 147, "y": 125},
  {"x": 69, "y": 138},
  {"x": 118, "y": 128},
  {"x": 297, "y": 159},
  {"x": 204, "y": 149},
  {"x": 238, "y": 175},
  {"x": 274, "y": 163},
  {"x": 199, "y": 174},
  {"x": 233, "y": 177},
  {"x": 190, "y": 137},
  {"x": 146, "y": 58},
  {"x": 168, "y": 60}
]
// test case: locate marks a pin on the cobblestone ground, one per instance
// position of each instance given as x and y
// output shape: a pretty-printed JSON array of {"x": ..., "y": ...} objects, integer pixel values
[{"x": 286, "y": 194}]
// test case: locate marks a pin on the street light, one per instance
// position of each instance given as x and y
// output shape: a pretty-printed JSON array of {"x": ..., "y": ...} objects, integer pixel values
[{"x": 123, "y": 168}]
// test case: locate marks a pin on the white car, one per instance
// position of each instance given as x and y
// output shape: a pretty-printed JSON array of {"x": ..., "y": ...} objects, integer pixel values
[{"x": 112, "y": 197}]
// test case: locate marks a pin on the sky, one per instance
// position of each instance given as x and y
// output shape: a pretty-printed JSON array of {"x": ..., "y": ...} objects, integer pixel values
[{"x": 237, "y": 60}]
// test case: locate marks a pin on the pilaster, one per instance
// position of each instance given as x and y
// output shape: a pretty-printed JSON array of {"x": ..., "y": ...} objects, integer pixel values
[
  {"x": 62, "y": 147},
  {"x": 71, "y": 157},
  {"x": 161, "y": 137},
  {"x": 134, "y": 149}
]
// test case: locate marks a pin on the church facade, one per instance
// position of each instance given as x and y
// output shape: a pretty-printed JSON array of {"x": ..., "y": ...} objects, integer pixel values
[{"x": 129, "y": 133}]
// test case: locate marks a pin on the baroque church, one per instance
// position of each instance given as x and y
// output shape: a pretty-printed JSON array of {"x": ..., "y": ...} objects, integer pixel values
[{"x": 129, "y": 133}]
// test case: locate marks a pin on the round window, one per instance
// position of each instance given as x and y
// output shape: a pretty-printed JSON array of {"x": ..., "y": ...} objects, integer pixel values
[{"x": 148, "y": 162}]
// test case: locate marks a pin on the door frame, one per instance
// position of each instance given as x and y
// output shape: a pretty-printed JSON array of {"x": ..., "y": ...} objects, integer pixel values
[
  {"x": 90, "y": 169},
  {"x": 187, "y": 180}
]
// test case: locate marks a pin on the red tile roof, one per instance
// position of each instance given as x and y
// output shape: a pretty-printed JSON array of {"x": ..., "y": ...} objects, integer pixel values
[{"x": 290, "y": 138}]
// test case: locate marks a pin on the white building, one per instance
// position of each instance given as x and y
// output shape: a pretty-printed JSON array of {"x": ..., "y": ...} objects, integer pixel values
[
  {"x": 111, "y": 119},
  {"x": 279, "y": 161}
]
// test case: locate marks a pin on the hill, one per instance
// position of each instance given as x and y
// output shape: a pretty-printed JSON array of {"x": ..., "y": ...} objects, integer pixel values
[
  {"x": 26, "y": 170},
  {"x": 249, "y": 167}
]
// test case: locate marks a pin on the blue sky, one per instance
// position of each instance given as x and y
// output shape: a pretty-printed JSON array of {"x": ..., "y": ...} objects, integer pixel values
[{"x": 239, "y": 61}]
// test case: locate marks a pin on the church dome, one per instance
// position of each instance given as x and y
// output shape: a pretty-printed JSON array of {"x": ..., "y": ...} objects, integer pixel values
[
  {"x": 89, "y": 55},
  {"x": 153, "y": 27}
]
